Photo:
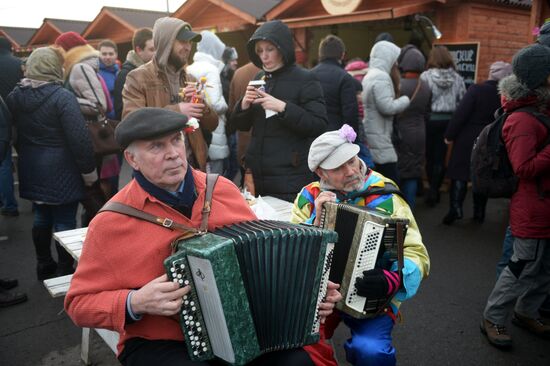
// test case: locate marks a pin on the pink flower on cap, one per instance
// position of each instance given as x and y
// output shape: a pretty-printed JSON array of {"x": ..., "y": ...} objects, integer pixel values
[{"x": 348, "y": 133}]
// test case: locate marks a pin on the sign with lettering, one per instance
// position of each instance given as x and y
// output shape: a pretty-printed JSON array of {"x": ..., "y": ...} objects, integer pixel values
[
  {"x": 337, "y": 7},
  {"x": 466, "y": 57}
]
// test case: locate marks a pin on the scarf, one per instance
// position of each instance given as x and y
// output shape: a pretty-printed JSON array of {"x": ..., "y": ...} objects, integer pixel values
[
  {"x": 182, "y": 200},
  {"x": 361, "y": 196}
]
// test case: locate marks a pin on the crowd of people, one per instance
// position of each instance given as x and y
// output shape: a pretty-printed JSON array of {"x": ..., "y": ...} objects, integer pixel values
[{"x": 365, "y": 132}]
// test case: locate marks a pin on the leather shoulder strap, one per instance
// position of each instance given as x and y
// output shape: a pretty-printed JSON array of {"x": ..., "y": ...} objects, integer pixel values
[
  {"x": 142, "y": 215},
  {"x": 211, "y": 180}
]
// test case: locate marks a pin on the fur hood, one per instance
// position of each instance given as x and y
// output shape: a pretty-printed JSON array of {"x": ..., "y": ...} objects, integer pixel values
[
  {"x": 79, "y": 54},
  {"x": 516, "y": 94}
]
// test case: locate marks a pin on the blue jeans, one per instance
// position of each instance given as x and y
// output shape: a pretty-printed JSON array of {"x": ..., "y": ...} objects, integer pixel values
[
  {"x": 9, "y": 203},
  {"x": 370, "y": 342},
  {"x": 507, "y": 251},
  {"x": 409, "y": 188},
  {"x": 58, "y": 217}
]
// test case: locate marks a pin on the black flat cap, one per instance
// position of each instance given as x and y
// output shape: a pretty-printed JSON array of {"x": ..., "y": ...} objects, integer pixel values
[{"x": 148, "y": 123}]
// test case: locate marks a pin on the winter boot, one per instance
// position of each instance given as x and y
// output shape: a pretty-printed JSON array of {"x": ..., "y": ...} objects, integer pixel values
[
  {"x": 432, "y": 196},
  {"x": 480, "y": 201},
  {"x": 46, "y": 266},
  {"x": 65, "y": 262},
  {"x": 456, "y": 198}
]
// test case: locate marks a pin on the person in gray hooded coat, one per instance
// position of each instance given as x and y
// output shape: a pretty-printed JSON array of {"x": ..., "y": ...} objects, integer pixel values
[{"x": 381, "y": 103}]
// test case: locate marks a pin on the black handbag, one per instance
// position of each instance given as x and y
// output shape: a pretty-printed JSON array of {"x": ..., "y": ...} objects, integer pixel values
[{"x": 102, "y": 133}]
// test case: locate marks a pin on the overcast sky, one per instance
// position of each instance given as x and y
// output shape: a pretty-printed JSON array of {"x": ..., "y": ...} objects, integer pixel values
[{"x": 31, "y": 13}]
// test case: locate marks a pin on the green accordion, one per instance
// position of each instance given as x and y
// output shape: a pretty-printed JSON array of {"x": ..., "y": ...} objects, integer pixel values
[{"x": 255, "y": 288}]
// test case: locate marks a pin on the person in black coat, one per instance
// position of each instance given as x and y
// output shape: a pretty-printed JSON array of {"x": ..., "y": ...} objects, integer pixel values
[
  {"x": 339, "y": 87},
  {"x": 10, "y": 74},
  {"x": 475, "y": 111},
  {"x": 410, "y": 137},
  {"x": 142, "y": 52},
  {"x": 285, "y": 118},
  {"x": 56, "y": 158}
]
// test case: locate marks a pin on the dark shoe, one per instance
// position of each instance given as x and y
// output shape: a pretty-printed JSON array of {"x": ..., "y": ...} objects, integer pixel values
[
  {"x": 432, "y": 197},
  {"x": 8, "y": 298},
  {"x": 42, "y": 240},
  {"x": 496, "y": 334},
  {"x": 8, "y": 283},
  {"x": 480, "y": 202},
  {"x": 45, "y": 270},
  {"x": 65, "y": 261},
  {"x": 452, "y": 216},
  {"x": 12, "y": 213},
  {"x": 535, "y": 326}
]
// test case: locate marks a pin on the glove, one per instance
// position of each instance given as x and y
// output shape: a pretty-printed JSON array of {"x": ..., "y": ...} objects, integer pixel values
[
  {"x": 377, "y": 283},
  {"x": 89, "y": 178}
]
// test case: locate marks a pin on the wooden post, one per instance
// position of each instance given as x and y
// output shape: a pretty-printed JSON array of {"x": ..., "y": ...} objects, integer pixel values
[{"x": 536, "y": 18}]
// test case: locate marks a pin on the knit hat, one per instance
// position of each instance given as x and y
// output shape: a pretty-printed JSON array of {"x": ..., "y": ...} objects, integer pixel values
[
  {"x": 544, "y": 34},
  {"x": 332, "y": 149},
  {"x": 331, "y": 47},
  {"x": 531, "y": 65},
  {"x": 229, "y": 54},
  {"x": 70, "y": 40},
  {"x": 384, "y": 36},
  {"x": 411, "y": 59},
  {"x": 499, "y": 70}
]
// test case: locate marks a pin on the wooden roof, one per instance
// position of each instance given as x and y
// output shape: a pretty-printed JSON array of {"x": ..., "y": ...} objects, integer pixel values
[
  {"x": 224, "y": 16},
  {"x": 119, "y": 24},
  {"x": 305, "y": 13},
  {"x": 16, "y": 35},
  {"x": 52, "y": 28}
]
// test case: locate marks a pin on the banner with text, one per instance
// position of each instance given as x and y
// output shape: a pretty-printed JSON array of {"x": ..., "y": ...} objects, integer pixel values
[{"x": 466, "y": 56}]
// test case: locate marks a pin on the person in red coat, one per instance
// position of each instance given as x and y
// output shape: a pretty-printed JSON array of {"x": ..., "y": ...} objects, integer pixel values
[
  {"x": 120, "y": 283},
  {"x": 525, "y": 281}
]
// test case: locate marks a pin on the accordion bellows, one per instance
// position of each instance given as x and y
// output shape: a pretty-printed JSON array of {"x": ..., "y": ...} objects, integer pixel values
[{"x": 255, "y": 288}]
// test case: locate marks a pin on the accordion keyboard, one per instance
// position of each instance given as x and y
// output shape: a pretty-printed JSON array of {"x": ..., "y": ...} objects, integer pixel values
[
  {"x": 324, "y": 284},
  {"x": 195, "y": 331},
  {"x": 371, "y": 239}
]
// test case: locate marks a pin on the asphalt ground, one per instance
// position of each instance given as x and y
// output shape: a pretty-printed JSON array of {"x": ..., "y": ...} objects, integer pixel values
[{"x": 439, "y": 326}]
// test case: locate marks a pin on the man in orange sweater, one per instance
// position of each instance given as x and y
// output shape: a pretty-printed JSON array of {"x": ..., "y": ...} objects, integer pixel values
[{"x": 120, "y": 283}]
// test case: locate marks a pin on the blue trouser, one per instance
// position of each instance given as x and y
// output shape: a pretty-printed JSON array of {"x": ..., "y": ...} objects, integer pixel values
[
  {"x": 56, "y": 217},
  {"x": 9, "y": 203},
  {"x": 409, "y": 188},
  {"x": 507, "y": 251},
  {"x": 370, "y": 342}
]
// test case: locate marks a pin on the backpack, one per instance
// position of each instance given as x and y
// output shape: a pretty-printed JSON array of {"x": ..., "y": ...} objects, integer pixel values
[{"x": 491, "y": 171}]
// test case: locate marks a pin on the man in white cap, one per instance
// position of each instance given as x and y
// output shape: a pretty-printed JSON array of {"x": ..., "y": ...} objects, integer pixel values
[{"x": 345, "y": 178}]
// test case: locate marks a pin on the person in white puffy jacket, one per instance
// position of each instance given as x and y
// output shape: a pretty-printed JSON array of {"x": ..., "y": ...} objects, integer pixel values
[
  {"x": 381, "y": 104},
  {"x": 207, "y": 62}
]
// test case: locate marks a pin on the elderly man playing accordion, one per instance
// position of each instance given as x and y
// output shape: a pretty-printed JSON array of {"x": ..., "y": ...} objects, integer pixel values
[
  {"x": 344, "y": 178},
  {"x": 120, "y": 283}
]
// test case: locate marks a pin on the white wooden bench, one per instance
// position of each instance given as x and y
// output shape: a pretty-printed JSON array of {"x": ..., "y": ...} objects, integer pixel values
[{"x": 72, "y": 241}]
